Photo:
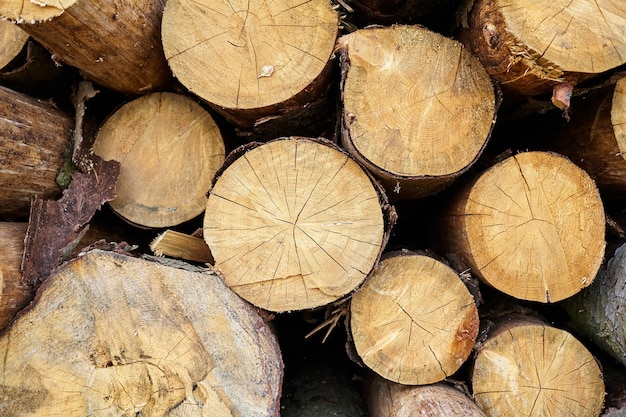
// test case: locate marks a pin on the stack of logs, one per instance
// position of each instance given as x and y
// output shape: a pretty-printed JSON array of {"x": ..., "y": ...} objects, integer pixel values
[{"x": 436, "y": 177}]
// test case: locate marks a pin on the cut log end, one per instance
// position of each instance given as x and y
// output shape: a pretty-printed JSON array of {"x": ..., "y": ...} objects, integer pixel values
[
  {"x": 12, "y": 41},
  {"x": 532, "y": 226},
  {"x": 294, "y": 224},
  {"x": 414, "y": 321},
  {"x": 526, "y": 369},
  {"x": 33, "y": 11}
]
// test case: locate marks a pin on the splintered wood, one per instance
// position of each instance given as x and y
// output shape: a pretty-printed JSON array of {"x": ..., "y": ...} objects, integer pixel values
[
  {"x": 532, "y": 226},
  {"x": 414, "y": 321},
  {"x": 126, "y": 336},
  {"x": 294, "y": 224}
]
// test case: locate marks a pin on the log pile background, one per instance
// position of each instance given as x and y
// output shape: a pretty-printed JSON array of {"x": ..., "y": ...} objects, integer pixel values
[{"x": 414, "y": 218}]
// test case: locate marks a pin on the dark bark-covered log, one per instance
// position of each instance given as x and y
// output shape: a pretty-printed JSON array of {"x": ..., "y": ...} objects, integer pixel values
[
  {"x": 413, "y": 321},
  {"x": 117, "y": 44},
  {"x": 528, "y": 368},
  {"x": 598, "y": 312},
  {"x": 35, "y": 142},
  {"x": 14, "y": 293},
  {"x": 532, "y": 226},
  {"x": 417, "y": 107},
  {"x": 386, "y": 398},
  {"x": 530, "y": 47},
  {"x": 169, "y": 149},
  {"x": 266, "y": 66},
  {"x": 294, "y": 224},
  {"x": 114, "y": 335}
]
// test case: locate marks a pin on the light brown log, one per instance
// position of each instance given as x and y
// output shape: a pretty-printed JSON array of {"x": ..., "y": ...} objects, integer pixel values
[
  {"x": 14, "y": 294},
  {"x": 595, "y": 138},
  {"x": 528, "y": 368},
  {"x": 117, "y": 44},
  {"x": 530, "y": 47},
  {"x": 531, "y": 226},
  {"x": 413, "y": 321},
  {"x": 115, "y": 335},
  {"x": 386, "y": 398},
  {"x": 417, "y": 107},
  {"x": 258, "y": 63},
  {"x": 169, "y": 149},
  {"x": 35, "y": 139},
  {"x": 597, "y": 312},
  {"x": 12, "y": 41},
  {"x": 294, "y": 224}
]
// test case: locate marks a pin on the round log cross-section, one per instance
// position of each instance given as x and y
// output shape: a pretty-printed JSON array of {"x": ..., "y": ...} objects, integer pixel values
[
  {"x": 294, "y": 224},
  {"x": 531, "y": 226}
]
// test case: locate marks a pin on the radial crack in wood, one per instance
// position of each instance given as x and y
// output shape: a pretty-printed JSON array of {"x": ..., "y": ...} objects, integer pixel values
[
  {"x": 115, "y": 335},
  {"x": 294, "y": 224}
]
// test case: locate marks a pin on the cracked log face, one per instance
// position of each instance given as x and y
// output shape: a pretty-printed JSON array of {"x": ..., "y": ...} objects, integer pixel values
[
  {"x": 113, "y": 335},
  {"x": 531, "y": 369},
  {"x": 414, "y": 322},
  {"x": 529, "y": 46},
  {"x": 169, "y": 149},
  {"x": 532, "y": 226},
  {"x": 248, "y": 54},
  {"x": 294, "y": 224},
  {"x": 418, "y": 107}
]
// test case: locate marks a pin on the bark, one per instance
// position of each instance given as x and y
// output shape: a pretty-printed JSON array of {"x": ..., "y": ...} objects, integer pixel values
[
  {"x": 123, "y": 336},
  {"x": 597, "y": 312},
  {"x": 417, "y": 107},
  {"x": 294, "y": 224},
  {"x": 595, "y": 138},
  {"x": 386, "y": 398},
  {"x": 14, "y": 293},
  {"x": 530, "y": 48},
  {"x": 117, "y": 44},
  {"x": 528, "y": 368},
  {"x": 269, "y": 62},
  {"x": 169, "y": 149},
  {"x": 413, "y": 321},
  {"x": 531, "y": 226},
  {"x": 35, "y": 141},
  {"x": 12, "y": 41}
]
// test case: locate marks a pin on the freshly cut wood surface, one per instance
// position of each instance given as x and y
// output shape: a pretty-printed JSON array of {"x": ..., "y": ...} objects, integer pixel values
[
  {"x": 169, "y": 149},
  {"x": 14, "y": 294},
  {"x": 532, "y": 226},
  {"x": 116, "y": 44},
  {"x": 530, "y": 46},
  {"x": 182, "y": 246},
  {"x": 417, "y": 107},
  {"x": 413, "y": 321},
  {"x": 294, "y": 224},
  {"x": 597, "y": 312},
  {"x": 526, "y": 368},
  {"x": 386, "y": 398},
  {"x": 12, "y": 41},
  {"x": 595, "y": 138},
  {"x": 251, "y": 56},
  {"x": 114, "y": 335},
  {"x": 35, "y": 138}
]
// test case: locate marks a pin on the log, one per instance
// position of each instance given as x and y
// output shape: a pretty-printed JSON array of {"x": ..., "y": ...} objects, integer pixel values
[
  {"x": 595, "y": 138},
  {"x": 35, "y": 140},
  {"x": 182, "y": 246},
  {"x": 386, "y": 398},
  {"x": 169, "y": 149},
  {"x": 269, "y": 62},
  {"x": 413, "y": 322},
  {"x": 114, "y": 335},
  {"x": 597, "y": 312},
  {"x": 528, "y": 368},
  {"x": 14, "y": 294},
  {"x": 531, "y": 48},
  {"x": 12, "y": 41},
  {"x": 294, "y": 224},
  {"x": 403, "y": 88},
  {"x": 531, "y": 226},
  {"x": 115, "y": 44}
]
